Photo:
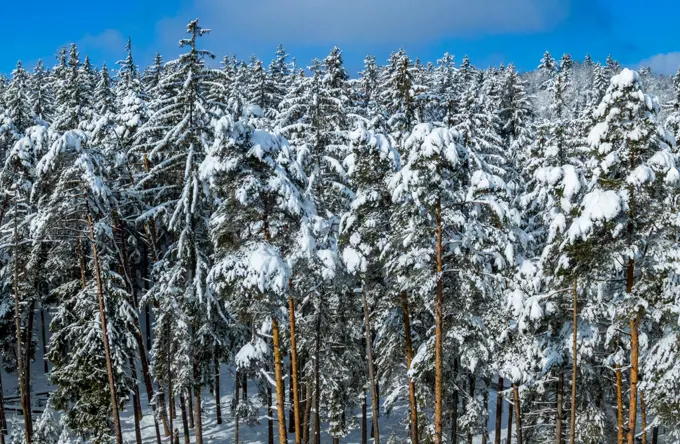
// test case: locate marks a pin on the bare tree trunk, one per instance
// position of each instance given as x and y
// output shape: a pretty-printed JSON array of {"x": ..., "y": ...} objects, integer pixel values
[
  {"x": 236, "y": 413},
  {"x": 439, "y": 333},
  {"x": 171, "y": 396},
  {"x": 655, "y": 435},
  {"x": 559, "y": 433},
  {"x": 485, "y": 433},
  {"x": 619, "y": 404},
  {"x": 23, "y": 386},
  {"x": 191, "y": 408},
  {"x": 316, "y": 421},
  {"x": 270, "y": 416},
  {"x": 454, "y": 404},
  {"x": 632, "y": 408},
  {"x": 218, "y": 401},
  {"x": 572, "y": 422},
  {"x": 3, "y": 418},
  {"x": 278, "y": 374},
  {"x": 499, "y": 410},
  {"x": 472, "y": 396},
  {"x": 518, "y": 413},
  {"x": 643, "y": 412},
  {"x": 44, "y": 338},
  {"x": 510, "y": 410},
  {"x": 198, "y": 421},
  {"x": 105, "y": 336},
  {"x": 291, "y": 398},
  {"x": 295, "y": 383},
  {"x": 137, "y": 405},
  {"x": 364, "y": 421},
  {"x": 185, "y": 422},
  {"x": 409, "y": 358},
  {"x": 371, "y": 370},
  {"x": 308, "y": 413},
  {"x": 146, "y": 375},
  {"x": 27, "y": 363}
]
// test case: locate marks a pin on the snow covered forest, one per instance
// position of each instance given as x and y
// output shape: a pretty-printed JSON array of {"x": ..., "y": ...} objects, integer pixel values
[{"x": 470, "y": 254}]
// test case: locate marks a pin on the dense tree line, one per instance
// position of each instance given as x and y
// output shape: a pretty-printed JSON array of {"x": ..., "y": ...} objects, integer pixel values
[{"x": 431, "y": 235}]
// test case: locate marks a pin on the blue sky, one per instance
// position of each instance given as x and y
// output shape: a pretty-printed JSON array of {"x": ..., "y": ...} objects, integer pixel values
[{"x": 489, "y": 31}]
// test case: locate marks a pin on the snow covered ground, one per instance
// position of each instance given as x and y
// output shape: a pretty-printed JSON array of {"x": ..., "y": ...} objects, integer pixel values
[{"x": 390, "y": 425}]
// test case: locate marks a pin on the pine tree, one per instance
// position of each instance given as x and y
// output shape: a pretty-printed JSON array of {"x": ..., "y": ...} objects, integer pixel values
[
  {"x": 91, "y": 336},
  {"x": 175, "y": 140},
  {"x": 630, "y": 165},
  {"x": 364, "y": 228},
  {"x": 251, "y": 230},
  {"x": 439, "y": 178}
]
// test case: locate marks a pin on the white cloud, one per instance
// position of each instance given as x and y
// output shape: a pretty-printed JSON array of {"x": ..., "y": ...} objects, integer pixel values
[
  {"x": 667, "y": 63},
  {"x": 108, "y": 41}
]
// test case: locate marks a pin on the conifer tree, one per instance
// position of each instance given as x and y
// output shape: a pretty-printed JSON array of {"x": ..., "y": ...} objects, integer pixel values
[
  {"x": 175, "y": 140},
  {"x": 42, "y": 93},
  {"x": 630, "y": 164}
]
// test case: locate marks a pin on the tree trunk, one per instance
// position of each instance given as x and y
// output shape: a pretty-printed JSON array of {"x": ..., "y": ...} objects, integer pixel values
[
  {"x": 105, "y": 336},
  {"x": 371, "y": 370},
  {"x": 295, "y": 383},
  {"x": 236, "y": 413},
  {"x": 185, "y": 422},
  {"x": 218, "y": 400},
  {"x": 472, "y": 397},
  {"x": 81, "y": 262},
  {"x": 619, "y": 404},
  {"x": 20, "y": 352},
  {"x": 439, "y": 333},
  {"x": 510, "y": 410},
  {"x": 291, "y": 398},
  {"x": 44, "y": 339},
  {"x": 454, "y": 404},
  {"x": 499, "y": 410},
  {"x": 136, "y": 402},
  {"x": 146, "y": 374},
  {"x": 27, "y": 363},
  {"x": 632, "y": 408},
  {"x": 316, "y": 421},
  {"x": 198, "y": 421},
  {"x": 191, "y": 408},
  {"x": 270, "y": 416},
  {"x": 364, "y": 421},
  {"x": 485, "y": 433},
  {"x": 409, "y": 358},
  {"x": 655, "y": 435},
  {"x": 171, "y": 397},
  {"x": 572, "y": 422},
  {"x": 559, "y": 433},
  {"x": 643, "y": 412},
  {"x": 3, "y": 418},
  {"x": 278, "y": 374},
  {"x": 518, "y": 413},
  {"x": 308, "y": 413}
]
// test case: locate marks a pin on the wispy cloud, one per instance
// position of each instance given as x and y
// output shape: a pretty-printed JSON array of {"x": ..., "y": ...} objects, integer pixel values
[
  {"x": 349, "y": 21},
  {"x": 107, "y": 41},
  {"x": 667, "y": 63}
]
